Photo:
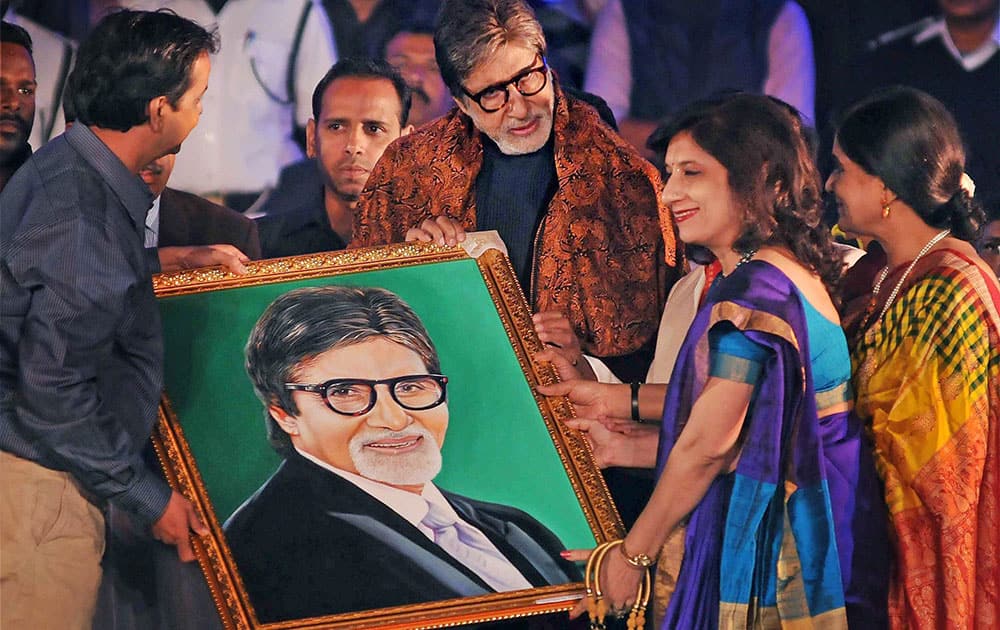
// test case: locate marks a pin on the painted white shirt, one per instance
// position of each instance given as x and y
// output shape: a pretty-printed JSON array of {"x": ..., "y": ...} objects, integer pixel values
[{"x": 413, "y": 507}]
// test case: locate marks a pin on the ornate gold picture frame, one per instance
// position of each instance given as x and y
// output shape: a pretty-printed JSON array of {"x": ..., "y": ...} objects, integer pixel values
[{"x": 505, "y": 443}]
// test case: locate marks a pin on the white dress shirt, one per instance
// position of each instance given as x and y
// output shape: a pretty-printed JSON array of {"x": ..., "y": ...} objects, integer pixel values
[
  {"x": 152, "y": 232},
  {"x": 971, "y": 60},
  {"x": 244, "y": 137}
]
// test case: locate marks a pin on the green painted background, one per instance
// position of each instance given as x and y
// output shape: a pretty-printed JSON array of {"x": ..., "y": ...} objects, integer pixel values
[{"x": 496, "y": 449}]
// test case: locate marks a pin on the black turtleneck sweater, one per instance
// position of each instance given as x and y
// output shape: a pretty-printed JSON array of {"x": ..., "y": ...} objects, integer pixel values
[{"x": 512, "y": 193}]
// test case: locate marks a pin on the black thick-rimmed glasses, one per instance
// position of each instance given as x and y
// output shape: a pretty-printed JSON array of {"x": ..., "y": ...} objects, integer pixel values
[
  {"x": 357, "y": 396},
  {"x": 528, "y": 82}
]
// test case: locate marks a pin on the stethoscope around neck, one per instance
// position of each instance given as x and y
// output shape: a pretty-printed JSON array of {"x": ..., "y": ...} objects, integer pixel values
[{"x": 247, "y": 40}]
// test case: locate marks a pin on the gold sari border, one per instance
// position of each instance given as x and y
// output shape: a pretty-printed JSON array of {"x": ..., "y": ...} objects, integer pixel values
[{"x": 749, "y": 319}]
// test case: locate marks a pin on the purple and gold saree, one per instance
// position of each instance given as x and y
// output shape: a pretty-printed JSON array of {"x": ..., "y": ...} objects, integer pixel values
[{"x": 796, "y": 535}]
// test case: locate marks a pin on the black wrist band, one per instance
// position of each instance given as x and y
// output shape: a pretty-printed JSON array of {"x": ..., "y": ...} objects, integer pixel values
[{"x": 635, "y": 401}]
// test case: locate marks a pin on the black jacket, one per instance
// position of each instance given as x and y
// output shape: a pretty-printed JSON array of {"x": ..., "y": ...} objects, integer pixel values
[{"x": 310, "y": 543}]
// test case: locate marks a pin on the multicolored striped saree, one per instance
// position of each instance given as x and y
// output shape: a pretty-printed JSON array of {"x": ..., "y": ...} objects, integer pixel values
[
  {"x": 795, "y": 537},
  {"x": 927, "y": 378}
]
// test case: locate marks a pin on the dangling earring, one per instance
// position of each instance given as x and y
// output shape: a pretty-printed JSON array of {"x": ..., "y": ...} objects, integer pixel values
[{"x": 886, "y": 203}]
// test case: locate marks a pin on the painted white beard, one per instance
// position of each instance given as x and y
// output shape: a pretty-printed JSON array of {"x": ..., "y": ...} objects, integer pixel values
[{"x": 413, "y": 468}]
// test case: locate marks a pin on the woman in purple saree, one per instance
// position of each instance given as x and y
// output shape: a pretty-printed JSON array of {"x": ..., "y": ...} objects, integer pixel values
[
  {"x": 767, "y": 512},
  {"x": 797, "y": 530}
]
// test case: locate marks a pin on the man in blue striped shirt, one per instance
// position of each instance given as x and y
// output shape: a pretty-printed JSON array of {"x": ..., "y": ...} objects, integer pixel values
[{"x": 80, "y": 339}]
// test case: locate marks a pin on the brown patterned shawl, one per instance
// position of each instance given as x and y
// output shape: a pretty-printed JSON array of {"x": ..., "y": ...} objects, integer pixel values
[{"x": 600, "y": 256}]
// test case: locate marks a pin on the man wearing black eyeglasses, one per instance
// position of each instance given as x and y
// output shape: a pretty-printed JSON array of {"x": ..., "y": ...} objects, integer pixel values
[
  {"x": 351, "y": 521},
  {"x": 576, "y": 206}
]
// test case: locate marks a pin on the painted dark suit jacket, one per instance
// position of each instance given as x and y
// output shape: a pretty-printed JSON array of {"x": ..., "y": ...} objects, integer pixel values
[
  {"x": 310, "y": 543},
  {"x": 187, "y": 219}
]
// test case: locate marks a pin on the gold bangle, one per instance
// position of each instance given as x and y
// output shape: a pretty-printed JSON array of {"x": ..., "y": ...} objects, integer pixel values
[
  {"x": 639, "y": 560},
  {"x": 597, "y": 606},
  {"x": 637, "y": 616}
]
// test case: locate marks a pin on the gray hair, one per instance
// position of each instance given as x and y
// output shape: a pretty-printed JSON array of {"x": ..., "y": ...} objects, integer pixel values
[
  {"x": 471, "y": 31},
  {"x": 305, "y": 323}
]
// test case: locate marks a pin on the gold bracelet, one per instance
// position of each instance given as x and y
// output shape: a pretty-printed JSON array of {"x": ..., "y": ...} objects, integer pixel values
[
  {"x": 637, "y": 616},
  {"x": 597, "y": 606},
  {"x": 639, "y": 560}
]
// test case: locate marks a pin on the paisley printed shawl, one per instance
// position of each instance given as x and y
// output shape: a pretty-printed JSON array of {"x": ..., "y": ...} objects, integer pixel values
[
  {"x": 600, "y": 256},
  {"x": 793, "y": 536},
  {"x": 927, "y": 378}
]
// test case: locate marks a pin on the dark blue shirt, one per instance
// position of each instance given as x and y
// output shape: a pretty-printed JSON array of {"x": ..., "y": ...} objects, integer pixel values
[
  {"x": 81, "y": 352},
  {"x": 305, "y": 230},
  {"x": 512, "y": 194}
]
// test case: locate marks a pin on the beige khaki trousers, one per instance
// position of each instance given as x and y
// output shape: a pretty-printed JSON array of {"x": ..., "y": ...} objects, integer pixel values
[{"x": 51, "y": 542}]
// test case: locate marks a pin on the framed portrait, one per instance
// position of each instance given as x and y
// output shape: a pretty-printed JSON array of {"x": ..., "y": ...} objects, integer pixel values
[{"x": 307, "y": 535}]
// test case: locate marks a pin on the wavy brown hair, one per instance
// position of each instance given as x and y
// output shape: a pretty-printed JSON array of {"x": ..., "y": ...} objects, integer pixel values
[{"x": 766, "y": 150}]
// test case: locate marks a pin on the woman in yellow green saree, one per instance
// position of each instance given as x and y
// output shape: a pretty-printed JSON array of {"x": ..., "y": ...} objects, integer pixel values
[{"x": 926, "y": 356}]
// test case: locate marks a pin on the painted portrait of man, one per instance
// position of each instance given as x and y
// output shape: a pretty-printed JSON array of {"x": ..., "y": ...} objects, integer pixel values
[{"x": 357, "y": 406}]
